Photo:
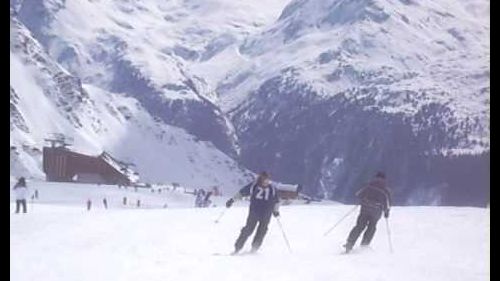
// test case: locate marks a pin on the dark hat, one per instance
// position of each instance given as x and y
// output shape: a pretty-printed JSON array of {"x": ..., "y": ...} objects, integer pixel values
[
  {"x": 264, "y": 174},
  {"x": 380, "y": 175}
]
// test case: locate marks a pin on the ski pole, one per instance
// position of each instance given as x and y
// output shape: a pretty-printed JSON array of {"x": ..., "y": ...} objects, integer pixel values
[
  {"x": 345, "y": 216},
  {"x": 389, "y": 235},
  {"x": 221, "y": 215},
  {"x": 284, "y": 234}
]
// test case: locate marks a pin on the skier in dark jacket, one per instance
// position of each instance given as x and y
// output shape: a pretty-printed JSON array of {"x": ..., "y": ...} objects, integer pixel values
[
  {"x": 264, "y": 202},
  {"x": 375, "y": 200},
  {"x": 200, "y": 195}
]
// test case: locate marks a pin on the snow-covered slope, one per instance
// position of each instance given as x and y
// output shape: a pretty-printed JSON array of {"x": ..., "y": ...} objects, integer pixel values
[
  {"x": 145, "y": 48},
  {"x": 68, "y": 243},
  {"x": 158, "y": 38},
  {"x": 46, "y": 99}
]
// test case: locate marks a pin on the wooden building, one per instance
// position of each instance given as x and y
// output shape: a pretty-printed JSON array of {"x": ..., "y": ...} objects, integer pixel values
[{"x": 60, "y": 164}]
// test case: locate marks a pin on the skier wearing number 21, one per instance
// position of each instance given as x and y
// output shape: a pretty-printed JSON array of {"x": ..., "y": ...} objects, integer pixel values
[{"x": 264, "y": 202}]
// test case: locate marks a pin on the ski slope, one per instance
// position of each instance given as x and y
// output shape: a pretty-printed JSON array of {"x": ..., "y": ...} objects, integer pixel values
[{"x": 63, "y": 241}]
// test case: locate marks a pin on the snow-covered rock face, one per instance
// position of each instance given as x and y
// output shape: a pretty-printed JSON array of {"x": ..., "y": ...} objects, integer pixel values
[
  {"x": 46, "y": 99},
  {"x": 144, "y": 49},
  {"x": 318, "y": 92},
  {"x": 336, "y": 144}
]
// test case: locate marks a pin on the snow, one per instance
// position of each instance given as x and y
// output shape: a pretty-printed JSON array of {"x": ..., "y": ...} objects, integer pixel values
[
  {"x": 396, "y": 48},
  {"x": 24, "y": 80},
  {"x": 149, "y": 31},
  {"x": 65, "y": 242}
]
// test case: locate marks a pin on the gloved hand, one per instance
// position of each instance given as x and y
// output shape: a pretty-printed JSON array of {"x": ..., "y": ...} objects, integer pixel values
[
  {"x": 386, "y": 213},
  {"x": 229, "y": 202},
  {"x": 276, "y": 213}
]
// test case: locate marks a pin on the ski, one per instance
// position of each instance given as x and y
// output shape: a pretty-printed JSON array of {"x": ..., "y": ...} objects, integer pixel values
[
  {"x": 357, "y": 250},
  {"x": 245, "y": 253}
]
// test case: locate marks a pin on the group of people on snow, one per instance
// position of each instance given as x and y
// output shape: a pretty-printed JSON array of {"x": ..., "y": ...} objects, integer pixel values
[
  {"x": 375, "y": 200},
  {"x": 21, "y": 193}
]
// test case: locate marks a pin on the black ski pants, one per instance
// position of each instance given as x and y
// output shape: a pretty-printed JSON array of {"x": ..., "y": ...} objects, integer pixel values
[
  {"x": 254, "y": 218},
  {"x": 365, "y": 220},
  {"x": 20, "y": 203}
]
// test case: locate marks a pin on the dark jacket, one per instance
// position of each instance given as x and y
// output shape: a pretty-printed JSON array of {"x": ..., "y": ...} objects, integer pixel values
[
  {"x": 264, "y": 200},
  {"x": 375, "y": 197},
  {"x": 19, "y": 184}
]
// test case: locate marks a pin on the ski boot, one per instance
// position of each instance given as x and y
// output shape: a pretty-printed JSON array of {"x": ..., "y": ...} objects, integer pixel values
[
  {"x": 366, "y": 247},
  {"x": 235, "y": 252},
  {"x": 254, "y": 250},
  {"x": 348, "y": 247}
]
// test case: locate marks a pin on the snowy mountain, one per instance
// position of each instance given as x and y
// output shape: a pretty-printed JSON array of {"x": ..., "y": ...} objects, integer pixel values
[
  {"x": 318, "y": 92},
  {"x": 335, "y": 90},
  {"x": 46, "y": 99},
  {"x": 143, "y": 49}
]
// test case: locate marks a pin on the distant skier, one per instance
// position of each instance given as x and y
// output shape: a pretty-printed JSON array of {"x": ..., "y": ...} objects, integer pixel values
[
  {"x": 21, "y": 191},
  {"x": 105, "y": 203},
  {"x": 125, "y": 201},
  {"x": 264, "y": 202},
  {"x": 89, "y": 204},
  {"x": 206, "y": 200},
  {"x": 375, "y": 200},
  {"x": 200, "y": 195},
  {"x": 36, "y": 193},
  {"x": 138, "y": 203},
  {"x": 216, "y": 191}
]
